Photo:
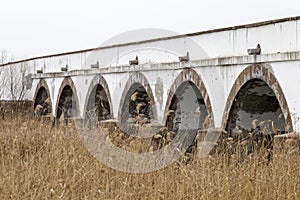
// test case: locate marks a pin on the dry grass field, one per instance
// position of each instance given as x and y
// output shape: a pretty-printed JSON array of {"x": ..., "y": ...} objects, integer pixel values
[{"x": 40, "y": 162}]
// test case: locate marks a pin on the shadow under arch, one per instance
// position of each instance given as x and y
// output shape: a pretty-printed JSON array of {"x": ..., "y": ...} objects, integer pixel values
[
  {"x": 67, "y": 90},
  {"x": 189, "y": 75},
  {"x": 136, "y": 82},
  {"x": 98, "y": 81},
  {"x": 41, "y": 94},
  {"x": 262, "y": 76}
]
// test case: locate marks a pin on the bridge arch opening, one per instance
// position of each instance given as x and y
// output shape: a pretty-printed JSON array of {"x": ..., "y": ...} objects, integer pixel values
[
  {"x": 187, "y": 100},
  {"x": 189, "y": 79},
  {"x": 256, "y": 107},
  {"x": 67, "y": 105},
  {"x": 188, "y": 110},
  {"x": 67, "y": 101},
  {"x": 256, "y": 104},
  {"x": 137, "y": 105},
  {"x": 42, "y": 104},
  {"x": 98, "y": 104}
]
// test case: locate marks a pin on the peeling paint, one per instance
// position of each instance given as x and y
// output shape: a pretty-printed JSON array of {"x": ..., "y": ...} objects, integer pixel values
[{"x": 159, "y": 91}]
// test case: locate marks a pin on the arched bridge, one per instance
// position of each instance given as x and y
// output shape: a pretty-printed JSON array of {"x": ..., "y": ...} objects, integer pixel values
[{"x": 226, "y": 77}]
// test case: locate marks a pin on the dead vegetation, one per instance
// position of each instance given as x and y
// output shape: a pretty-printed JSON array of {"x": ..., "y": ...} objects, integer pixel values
[{"x": 43, "y": 162}]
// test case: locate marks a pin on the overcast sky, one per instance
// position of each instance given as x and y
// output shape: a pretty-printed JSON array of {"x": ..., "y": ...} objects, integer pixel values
[{"x": 31, "y": 28}]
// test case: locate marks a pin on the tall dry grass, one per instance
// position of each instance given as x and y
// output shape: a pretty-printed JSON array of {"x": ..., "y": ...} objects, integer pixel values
[{"x": 40, "y": 162}]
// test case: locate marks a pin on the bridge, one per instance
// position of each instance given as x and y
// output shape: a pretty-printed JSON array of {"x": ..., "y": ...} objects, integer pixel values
[{"x": 232, "y": 76}]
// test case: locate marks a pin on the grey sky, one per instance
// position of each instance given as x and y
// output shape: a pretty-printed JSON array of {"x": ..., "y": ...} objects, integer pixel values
[{"x": 34, "y": 27}]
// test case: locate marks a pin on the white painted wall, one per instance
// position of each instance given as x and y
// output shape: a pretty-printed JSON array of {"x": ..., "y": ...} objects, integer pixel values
[{"x": 287, "y": 74}]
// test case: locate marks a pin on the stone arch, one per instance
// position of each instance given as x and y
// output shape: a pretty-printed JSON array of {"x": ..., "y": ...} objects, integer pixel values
[
  {"x": 190, "y": 75},
  {"x": 260, "y": 73},
  {"x": 96, "y": 81},
  {"x": 41, "y": 94},
  {"x": 136, "y": 79},
  {"x": 67, "y": 83}
]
